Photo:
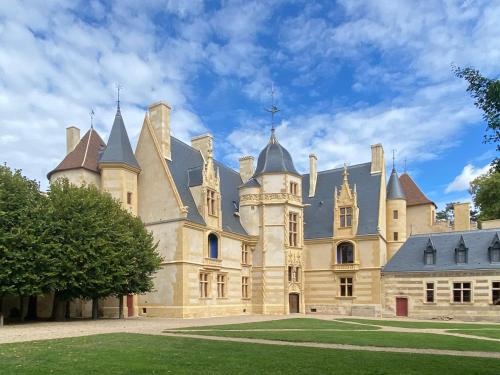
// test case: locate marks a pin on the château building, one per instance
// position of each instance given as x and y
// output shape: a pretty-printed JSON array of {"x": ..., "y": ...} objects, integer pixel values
[{"x": 267, "y": 239}]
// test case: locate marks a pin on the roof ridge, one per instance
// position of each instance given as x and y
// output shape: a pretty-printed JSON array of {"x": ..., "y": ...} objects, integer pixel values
[
  {"x": 341, "y": 168},
  {"x": 87, "y": 146},
  {"x": 434, "y": 234}
]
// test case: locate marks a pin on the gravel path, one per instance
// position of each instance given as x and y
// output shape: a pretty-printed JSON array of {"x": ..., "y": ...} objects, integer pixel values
[{"x": 57, "y": 330}]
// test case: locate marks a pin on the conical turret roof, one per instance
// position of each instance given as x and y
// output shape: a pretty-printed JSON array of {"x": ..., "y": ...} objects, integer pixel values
[
  {"x": 119, "y": 149},
  {"x": 274, "y": 158},
  {"x": 394, "y": 189}
]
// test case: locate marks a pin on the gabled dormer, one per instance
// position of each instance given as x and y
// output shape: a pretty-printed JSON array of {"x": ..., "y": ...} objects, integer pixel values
[
  {"x": 206, "y": 192},
  {"x": 494, "y": 250},
  {"x": 430, "y": 253},
  {"x": 346, "y": 211},
  {"x": 461, "y": 252}
]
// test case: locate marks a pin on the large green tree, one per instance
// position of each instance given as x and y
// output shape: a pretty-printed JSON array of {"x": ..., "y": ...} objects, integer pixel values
[
  {"x": 23, "y": 260},
  {"x": 486, "y": 94},
  {"x": 485, "y": 189},
  {"x": 138, "y": 259},
  {"x": 99, "y": 249},
  {"x": 486, "y": 194}
]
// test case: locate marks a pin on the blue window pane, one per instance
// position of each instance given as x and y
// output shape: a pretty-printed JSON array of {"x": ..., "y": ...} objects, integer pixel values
[{"x": 213, "y": 243}]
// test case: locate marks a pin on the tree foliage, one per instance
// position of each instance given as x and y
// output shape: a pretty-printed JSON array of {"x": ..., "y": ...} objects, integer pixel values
[
  {"x": 486, "y": 94},
  {"x": 486, "y": 194},
  {"x": 99, "y": 249},
  {"x": 23, "y": 260}
]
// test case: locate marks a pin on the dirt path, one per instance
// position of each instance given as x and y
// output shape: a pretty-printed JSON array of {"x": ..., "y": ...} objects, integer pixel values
[{"x": 343, "y": 346}]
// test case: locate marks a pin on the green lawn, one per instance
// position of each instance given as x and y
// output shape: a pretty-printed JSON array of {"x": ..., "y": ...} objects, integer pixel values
[
  {"x": 375, "y": 338},
  {"x": 295, "y": 323},
  {"x": 420, "y": 325},
  {"x": 143, "y": 354},
  {"x": 495, "y": 334}
]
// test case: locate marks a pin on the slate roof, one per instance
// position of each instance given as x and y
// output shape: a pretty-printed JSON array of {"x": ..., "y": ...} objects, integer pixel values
[
  {"x": 414, "y": 195},
  {"x": 85, "y": 154},
  {"x": 318, "y": 216},
  {"x": 394, "y": 188},
  {"x": 186, "y": 169},
  {"x": 119, "y": 149},
  {"x": 410, "y": 257},
  {"x": 274, "y": 158}
]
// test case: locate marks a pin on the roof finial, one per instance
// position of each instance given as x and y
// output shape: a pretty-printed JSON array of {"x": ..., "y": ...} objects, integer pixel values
[
  {"x": 92, "y": 118},
  {"x": 393, "y": 160},
  {"x": 345, "y": 172},
  {"x": 405, "y": 165},
  {"x": 273, "y": 110},
  {"x": 118, "y": 88}
]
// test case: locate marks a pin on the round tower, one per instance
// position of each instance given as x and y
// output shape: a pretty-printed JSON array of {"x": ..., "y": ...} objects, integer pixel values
[
  {"x": 396, "y": 214},
  {"x": 274, "y": 193},
  {"x": 119, "y": 173}
]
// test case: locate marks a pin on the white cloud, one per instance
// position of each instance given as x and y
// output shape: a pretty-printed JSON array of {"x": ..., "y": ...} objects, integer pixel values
[{"x": 462, "y": 181}]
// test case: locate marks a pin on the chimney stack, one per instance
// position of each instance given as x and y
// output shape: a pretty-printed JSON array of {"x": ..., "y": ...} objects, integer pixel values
[
  {"x": 72, "y": 138},
  {"x": 159, "y": 117},
  {"x": 461, "y": 212},
  {"x": 377, "y": 158},
  {"x": 313, "y": 174},
  {"x": 246, "y": 168},
  {"x": 203, "y": 143}
]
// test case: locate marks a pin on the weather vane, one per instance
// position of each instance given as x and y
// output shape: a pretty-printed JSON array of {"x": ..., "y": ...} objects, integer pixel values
[
  {"x": 273, "y": 110},
  {"x": 92, "y": 118},
  {"x": 118, "y": 88}
]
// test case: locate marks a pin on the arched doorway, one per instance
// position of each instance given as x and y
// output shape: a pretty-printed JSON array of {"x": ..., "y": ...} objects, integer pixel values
[{"x": 293, "y": 303}]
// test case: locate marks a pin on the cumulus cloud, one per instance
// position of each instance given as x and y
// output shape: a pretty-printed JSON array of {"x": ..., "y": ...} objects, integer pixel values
[{"x": 462, "y": 181}]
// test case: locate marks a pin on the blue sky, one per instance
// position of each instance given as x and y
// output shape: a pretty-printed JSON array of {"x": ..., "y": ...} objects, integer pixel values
[{"x": 347, "y": 75}]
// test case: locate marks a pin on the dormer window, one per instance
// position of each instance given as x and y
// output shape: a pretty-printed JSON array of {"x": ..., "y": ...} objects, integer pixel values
[
  {"x": 461, "y": 252},
  {"x": 429, "y": 254},
  {"x": 211, "y": 202},
  {"x": 494, "y": 250},
  {"x": 345, "y": 217}
]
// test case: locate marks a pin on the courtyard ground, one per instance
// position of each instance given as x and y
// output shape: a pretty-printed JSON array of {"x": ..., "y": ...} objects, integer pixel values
[{"x": 251, "y": 344}]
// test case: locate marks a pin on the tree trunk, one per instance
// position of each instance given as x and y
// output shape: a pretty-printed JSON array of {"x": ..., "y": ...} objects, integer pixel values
[
  {"x": 120, "y": 308},
  {"x": 1, "y": 311},
  {"x": 95, "y": 308},
  {"x": 32, "y": 308},
  {"x": 21, "y": 308},
  {"x": 67, "y": 314},
  {"x": 58, "y": 308}
]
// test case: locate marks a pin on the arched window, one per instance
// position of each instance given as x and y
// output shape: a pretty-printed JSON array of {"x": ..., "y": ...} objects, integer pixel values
[
  {"x": 494, "y": 250},
  {"x": 213, "y": 246},
  {"x": 345, "y": 253},
  {"x": 461, "y": 252},
  {"x": 429, "y": 253}
]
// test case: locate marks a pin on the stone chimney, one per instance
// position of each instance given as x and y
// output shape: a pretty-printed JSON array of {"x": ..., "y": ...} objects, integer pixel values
[
  {"x": 159, "y": 116},
  {"x": 246, "y": 168},
  {"x": 313, "y": 174},
  {"x": 204, "y": 143},
  {"x": 72, "y": 138},
  {"x": 461, "y": 212},
  {"x": 377, "y": 158}
]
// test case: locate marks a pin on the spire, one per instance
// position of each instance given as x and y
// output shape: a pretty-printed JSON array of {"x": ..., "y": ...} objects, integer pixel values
[
  {"x": 119, "y": 150},
  {"x": 273, "y": 110},
  {"x": 394, "y": 188},
  {"x": 118, "y": 88},
  {"x": 92, "y": 118}
]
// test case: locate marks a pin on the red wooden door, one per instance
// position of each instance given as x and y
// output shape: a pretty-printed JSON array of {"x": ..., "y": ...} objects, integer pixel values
[
  {"x": 130, "y": 305},
  {"x": 401, "y": 306}
]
